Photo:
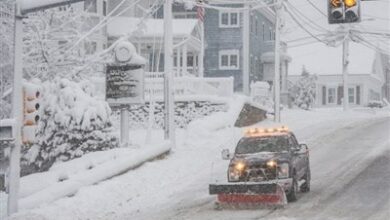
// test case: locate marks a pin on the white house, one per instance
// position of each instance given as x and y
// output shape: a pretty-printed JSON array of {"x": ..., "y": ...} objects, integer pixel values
[
  {"x": 365, "y": 81},
  {"x": 362, "y": 88}
]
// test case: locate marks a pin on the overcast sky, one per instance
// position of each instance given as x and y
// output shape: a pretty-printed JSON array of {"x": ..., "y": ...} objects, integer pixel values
[{"x": 321, "y": 59}]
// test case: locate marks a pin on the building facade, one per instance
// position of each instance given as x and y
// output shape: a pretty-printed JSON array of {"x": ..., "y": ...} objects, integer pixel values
[
  {"x": 223, "y": 33},
  {"x": 362, "y": 89}
]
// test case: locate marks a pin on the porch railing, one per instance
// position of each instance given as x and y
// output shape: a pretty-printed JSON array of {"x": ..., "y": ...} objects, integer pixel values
[{"x": 183, "y": 86}]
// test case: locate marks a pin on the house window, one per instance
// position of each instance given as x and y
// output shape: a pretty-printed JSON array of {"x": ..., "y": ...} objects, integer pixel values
[
  {"x": 104, "y": 8},
  {"x": 351, "y": 95},
  {"x": 228, "y": 19},
  {"x": 90, "y": 6},
  {"x": 228, "y": 59},
  {"x": 331, "y": 95},
  {"x": 190, "y": 60},
  {"x": 257, "y": 26},
  {"x": 263, "y": 31}
]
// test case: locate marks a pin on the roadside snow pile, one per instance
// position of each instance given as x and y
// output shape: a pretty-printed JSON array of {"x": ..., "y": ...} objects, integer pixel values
[
  {"x": 205, "y": 127},
  {"x": 67, "y": 178},
  {"x": 73, "y": 123}
]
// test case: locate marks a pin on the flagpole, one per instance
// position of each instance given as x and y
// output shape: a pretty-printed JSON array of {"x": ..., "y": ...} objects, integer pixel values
[
  {"x": 201, "y": 13},
  {"x": 201, "y": 58}
]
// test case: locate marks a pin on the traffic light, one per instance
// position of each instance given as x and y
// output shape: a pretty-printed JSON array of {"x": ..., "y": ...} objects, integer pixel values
[
  {"x": 352, "y": 11},
  {"x": 343, "y": 11},
  {"x": 31, "y": 116},
  {"x": 335, "y": 12}
]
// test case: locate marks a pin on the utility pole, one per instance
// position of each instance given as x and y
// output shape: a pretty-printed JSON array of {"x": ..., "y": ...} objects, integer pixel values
[
  {"x": 245, "y": 50},
  {"x": 169, "y": 113},
  {"x": 17, "y": 113},
  {"x": 345, "y": 72},
  {"x": 22, "y": 7},
  {"x": 278, "y": 27}
]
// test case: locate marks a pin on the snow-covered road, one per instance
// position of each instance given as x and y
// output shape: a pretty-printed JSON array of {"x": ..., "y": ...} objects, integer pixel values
[
  {"x": 350, "y": 180},
  {"x": 344, "y": 154}
]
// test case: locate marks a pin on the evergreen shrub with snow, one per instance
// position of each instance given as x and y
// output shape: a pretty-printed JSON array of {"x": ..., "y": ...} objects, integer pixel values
[
  {"x": 304, "y": 90},
  {"x": 72, "y": 123}
]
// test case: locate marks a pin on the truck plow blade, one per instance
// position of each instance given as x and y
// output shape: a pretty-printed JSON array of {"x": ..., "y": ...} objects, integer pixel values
[{"x": 249, "y": 195}]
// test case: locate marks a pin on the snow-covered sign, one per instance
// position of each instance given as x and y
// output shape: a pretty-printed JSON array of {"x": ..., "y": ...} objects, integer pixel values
[{"x": 124, "y": 84}]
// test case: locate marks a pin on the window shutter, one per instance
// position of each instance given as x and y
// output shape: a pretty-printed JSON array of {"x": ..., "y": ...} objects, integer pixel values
[
  {"x": 323, "y": 95},
  {"x": 340, "y": 94},
  {"x": 358, "y": 95}
]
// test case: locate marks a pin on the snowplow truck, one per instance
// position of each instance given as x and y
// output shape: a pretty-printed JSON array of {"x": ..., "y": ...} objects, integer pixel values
[{"x": 266, "y": 169}]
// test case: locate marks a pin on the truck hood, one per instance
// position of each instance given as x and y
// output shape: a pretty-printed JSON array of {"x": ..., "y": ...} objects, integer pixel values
[{"x": 262, "y": 157}]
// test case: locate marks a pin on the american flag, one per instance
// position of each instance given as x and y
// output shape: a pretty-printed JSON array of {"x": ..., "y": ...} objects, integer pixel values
[{"x": 200, "y": 11}]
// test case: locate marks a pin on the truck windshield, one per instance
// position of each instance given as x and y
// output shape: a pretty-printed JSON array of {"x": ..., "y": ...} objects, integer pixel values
[{"x": 262, "y": 144}]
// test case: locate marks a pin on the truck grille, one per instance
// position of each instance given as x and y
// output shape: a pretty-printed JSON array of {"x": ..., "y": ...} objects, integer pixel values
[{"x": 258, "y": 173}]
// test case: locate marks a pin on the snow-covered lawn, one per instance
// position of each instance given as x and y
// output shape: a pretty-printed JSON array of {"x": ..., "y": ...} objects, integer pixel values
[{"x": 182, "y": 175}]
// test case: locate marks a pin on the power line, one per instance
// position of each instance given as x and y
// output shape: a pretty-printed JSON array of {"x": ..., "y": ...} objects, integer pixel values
[
  {"x": 313, "y": 24},
  {"x": 153, "y": 9},
  {"x": 303, "y": 28},
  {"x": 101, "y": 23},
  {"x": 259, "y": 5},
  {"x": 314, "y": 6}
]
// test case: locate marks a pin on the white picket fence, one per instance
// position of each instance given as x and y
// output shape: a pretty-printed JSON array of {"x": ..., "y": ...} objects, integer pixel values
[{"x": 184, "y": 87}]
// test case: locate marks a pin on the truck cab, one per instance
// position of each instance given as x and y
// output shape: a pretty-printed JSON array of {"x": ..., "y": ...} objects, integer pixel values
[{"x": 271, "y": 155}]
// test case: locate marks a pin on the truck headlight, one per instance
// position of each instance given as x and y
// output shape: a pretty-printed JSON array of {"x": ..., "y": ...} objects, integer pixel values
[
  {"x": 236, "y": 170},
  {"x": 283, "y": 170},
  {"x": 271, "y": 163},
  {"x": 234, "y": 176},
  {"x": 240, "y": 166}
]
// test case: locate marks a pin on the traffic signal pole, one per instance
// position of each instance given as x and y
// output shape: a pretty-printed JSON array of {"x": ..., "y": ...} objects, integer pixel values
[
  {"x": 345, "y": 72},
  {"x": 276, "y": 83},
  {"x": 245, "y": 50},
  {"x": 22, "y": 7},
  {"x": 169, "y": 127},
  {"x": 17, "y": 112}
]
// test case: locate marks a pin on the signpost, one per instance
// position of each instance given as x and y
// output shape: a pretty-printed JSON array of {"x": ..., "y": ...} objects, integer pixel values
[{"x": 125, "y": 84}]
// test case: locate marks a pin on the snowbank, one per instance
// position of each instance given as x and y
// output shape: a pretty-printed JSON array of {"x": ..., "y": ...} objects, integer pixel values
[{"x": 65, "y": 179}]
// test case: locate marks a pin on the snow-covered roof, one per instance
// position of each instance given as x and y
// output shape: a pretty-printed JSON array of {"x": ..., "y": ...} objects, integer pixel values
[{"x": 151, "y": 27}]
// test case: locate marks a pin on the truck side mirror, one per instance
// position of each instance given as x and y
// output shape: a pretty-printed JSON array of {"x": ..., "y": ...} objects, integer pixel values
[
  {"x": 225, "y": 154},
  {"x": 304, "y": 146}
]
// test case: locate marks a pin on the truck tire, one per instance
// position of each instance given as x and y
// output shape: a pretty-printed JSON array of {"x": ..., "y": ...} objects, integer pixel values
[
  {"x": 305, "y": 187},
  {"x": 292, "y": 194}
]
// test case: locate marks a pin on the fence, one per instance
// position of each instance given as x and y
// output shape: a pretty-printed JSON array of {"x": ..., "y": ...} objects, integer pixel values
[{"x": 184, "y": 87}]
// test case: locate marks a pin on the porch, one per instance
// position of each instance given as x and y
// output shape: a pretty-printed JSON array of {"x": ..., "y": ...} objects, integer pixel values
[{"x": 149, "y": 42}]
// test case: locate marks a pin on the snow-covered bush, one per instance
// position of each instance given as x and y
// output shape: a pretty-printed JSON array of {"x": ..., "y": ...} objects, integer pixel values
[
  {"x": 72, "y": 123},
  {"x": 304, "y": 90}
]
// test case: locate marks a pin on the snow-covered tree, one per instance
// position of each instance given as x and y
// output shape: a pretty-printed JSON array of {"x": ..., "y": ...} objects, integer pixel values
[
  {"x": 6, "y": 56},
  {"x": 49, "y": 45},
  {"x": 73, "y": 123},
  {"x": 304, "y": 90}
]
